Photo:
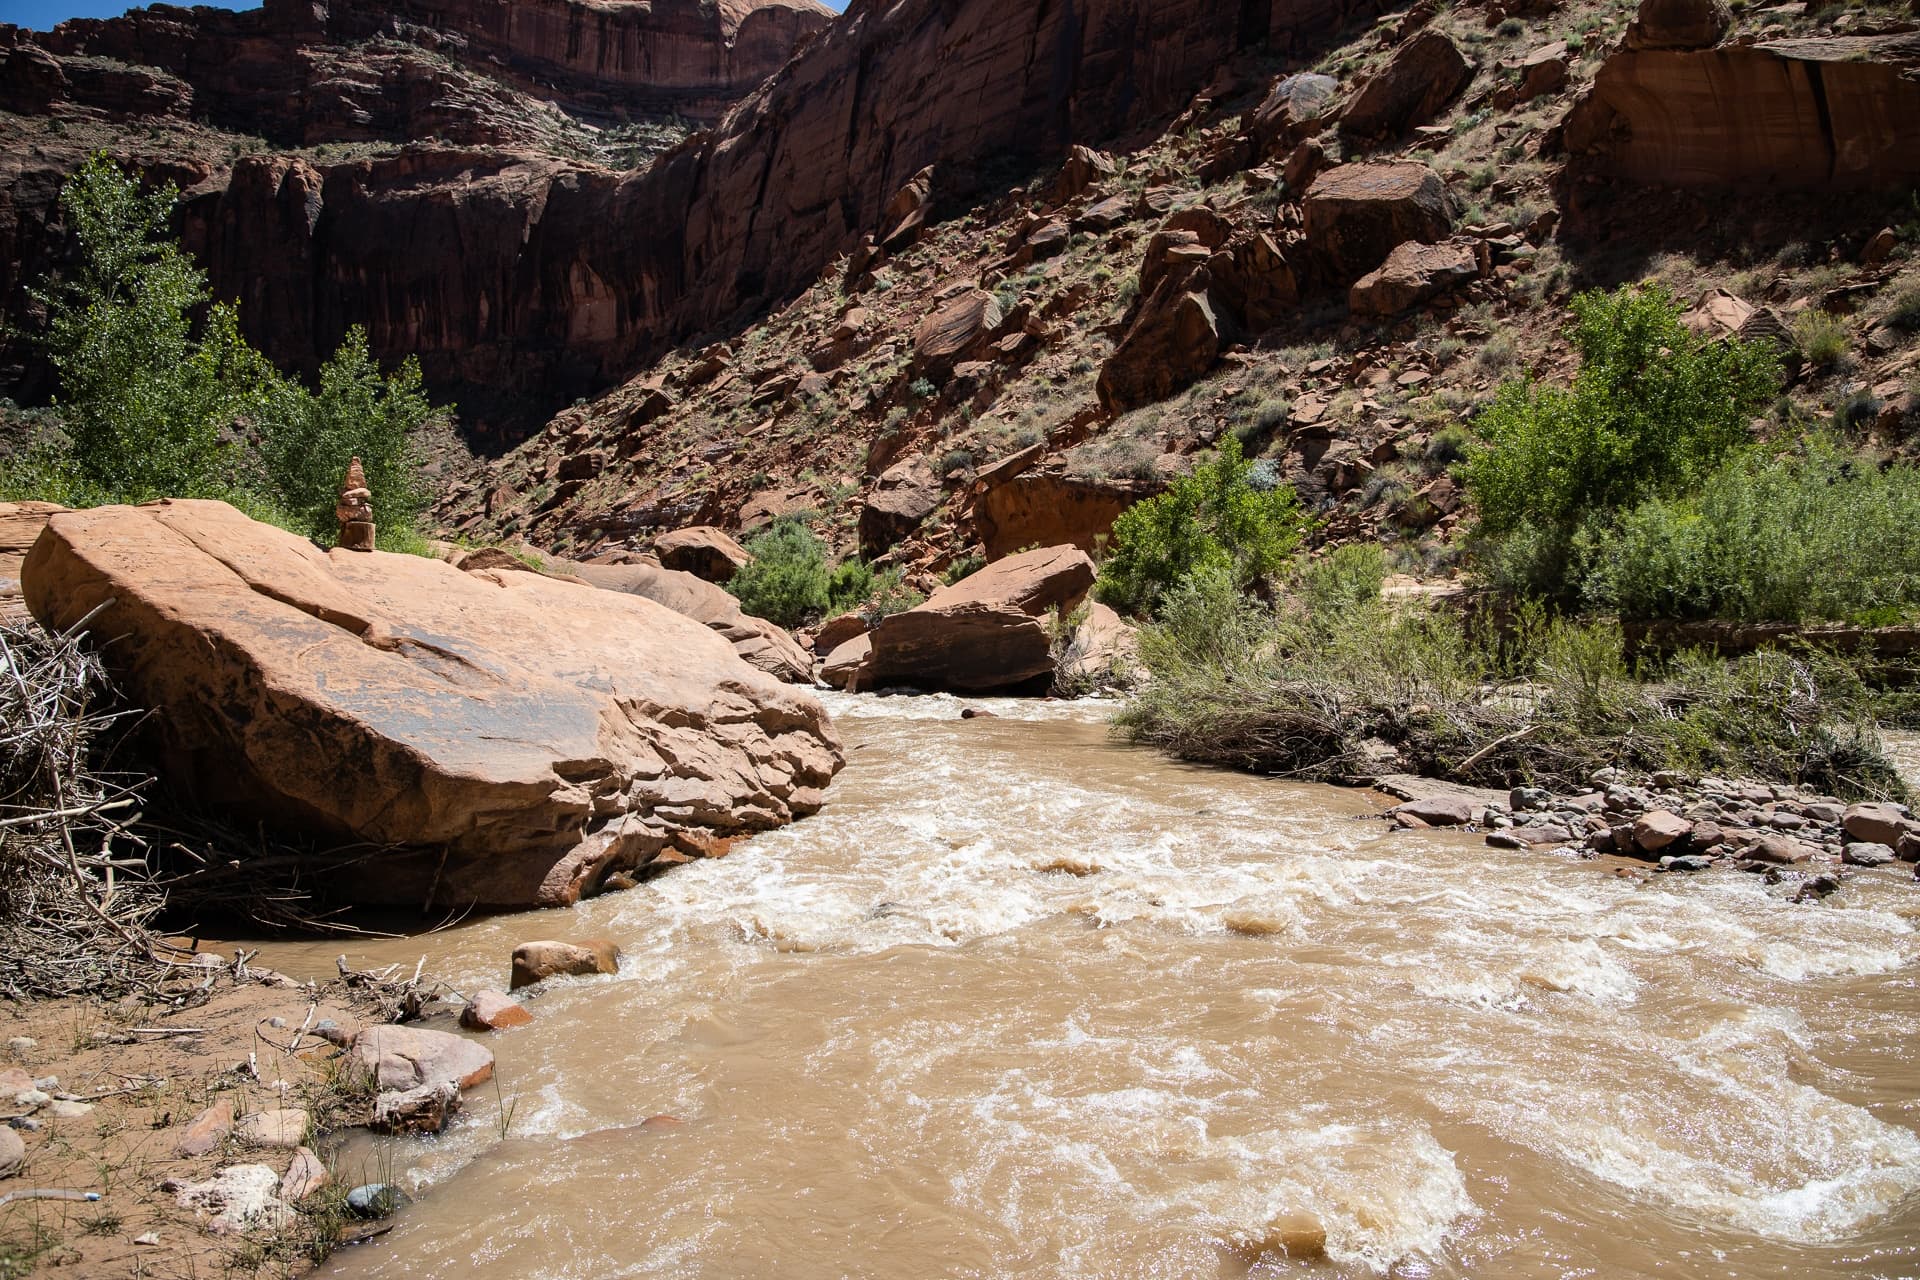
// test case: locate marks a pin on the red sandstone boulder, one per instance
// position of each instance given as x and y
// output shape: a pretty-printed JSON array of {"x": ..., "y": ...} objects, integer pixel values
[
  {"x": 20, "y": 524},
  {"x": 514, "y": 738},
  {"x": 1104, "y": 652},
  {"x": 905, "y": 494},
  {"x": 1293, "y": 107},
  {"x": 1173, "y": 340},
  {"x": 1412, "y": 274},
  {"x": 759, "y": 643},
  {"x": 396, "y": 1059},
  {"x": 1418, "y": 81},
  {"x": 703, "y": 551},
  {"x": 846, "y": 663},
  {"x": 1357, "y": 214},
  {"x": 492, "y": 1011},
  {"x": 1835, "y": 113},
  {"x": 1084, "y": 168},
  {"x": 984, "y": 632},
  {"x": 835, "y": 632},
  {"x": 957, "y": 328}
]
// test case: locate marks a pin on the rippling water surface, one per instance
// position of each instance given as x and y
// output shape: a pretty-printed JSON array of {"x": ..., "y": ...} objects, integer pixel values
[{"x": 1025, "y": 1002}]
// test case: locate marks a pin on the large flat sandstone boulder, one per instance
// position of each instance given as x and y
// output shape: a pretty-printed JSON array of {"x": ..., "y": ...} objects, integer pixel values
[
  {"x": 1416, "y": 84},
  {"x": 983, "y": 633},
  {"x": 1357, "y": 214},
  {"x": 758, "y": 642},
  {"x": 515, "y": 738}
]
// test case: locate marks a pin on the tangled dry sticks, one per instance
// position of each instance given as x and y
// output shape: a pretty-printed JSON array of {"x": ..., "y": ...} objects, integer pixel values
[{"x": 76, "y": 892}]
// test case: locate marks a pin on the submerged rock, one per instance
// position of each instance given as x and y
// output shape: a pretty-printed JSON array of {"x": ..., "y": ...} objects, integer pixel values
[
  {"x": 516, "y": 737},
  {"x": 535, "y": 962}
]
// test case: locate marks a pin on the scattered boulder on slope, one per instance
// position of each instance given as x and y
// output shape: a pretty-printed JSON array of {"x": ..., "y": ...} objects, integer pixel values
[
  {"x": 1412, "y": 274},
  {"x": 516, "y": 739},
  {"x": 905, "y": 494},
  {"x": 1357, "y": 214},
  {"x": 703, "y": 551},
  {"x": 1679, "y": 24},
  {"x": 955, "y": 330},
  {"x": 759, "y": 643},
  {"x": 984, "y": 632},
  {"x": 1415, "y": 85},
  {"x": 1173, "y": 340}
]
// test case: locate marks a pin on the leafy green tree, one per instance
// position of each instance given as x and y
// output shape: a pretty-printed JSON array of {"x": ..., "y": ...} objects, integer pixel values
[
  {"x": 786, "y": 581},
  {"x": 148, "y": 405},
  {"x": 1211, "y": 519},
  {"x": 358, "y": 412},
  {"x": 1653, "y": 410}
]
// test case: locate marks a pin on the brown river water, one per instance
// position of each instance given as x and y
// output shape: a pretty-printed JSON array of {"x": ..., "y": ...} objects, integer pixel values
[{"x": 1022, "y": 1001}]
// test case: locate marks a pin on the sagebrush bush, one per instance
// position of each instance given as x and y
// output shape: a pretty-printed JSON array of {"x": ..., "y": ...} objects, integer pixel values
[
  {"x": 1821, "y": 337},
  {"x": 1816, "y": 534},
  {"x": 1316, "y": 694},
  {"x": 1653, "y": 409},
  {"x": 1349, "y": 575},
  {"x": 1213, "y": 518},
  {"x": 787, "y": 580}
]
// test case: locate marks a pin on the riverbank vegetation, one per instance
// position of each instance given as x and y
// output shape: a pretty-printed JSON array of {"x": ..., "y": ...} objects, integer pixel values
[
  {"x": 161, "y": 395},
  {"x": 1639, "y": 491}
]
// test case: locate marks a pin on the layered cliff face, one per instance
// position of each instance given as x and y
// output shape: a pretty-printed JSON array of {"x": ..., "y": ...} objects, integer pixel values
[
  {"x": 558, "y": 279},
  {"x": 256, "y": 70}
]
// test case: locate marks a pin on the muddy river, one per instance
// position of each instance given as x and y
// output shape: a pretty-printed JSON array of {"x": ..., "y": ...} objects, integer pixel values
[{"x": 1022, "y": 1001}]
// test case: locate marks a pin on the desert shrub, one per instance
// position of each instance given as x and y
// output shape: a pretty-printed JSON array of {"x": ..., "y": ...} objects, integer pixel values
[
  {"x": 1445, "y": 447},
  {"x": 786, "y": 581},
  {"x": 876, "y": 593},
  {"x": 1819, "y": 534},
  {"x": 1821, "y": 337},
  {"x": 1904, "y": 311},
  {"x": 1653, "y": 409},
  {"x": 850, "y": 583},
  {"x": 964, "y": 567},
  {"x": 1317, "y": 696},
  {"x": 1350, "y": 575},
  {"x": 1213, "y": 517}
]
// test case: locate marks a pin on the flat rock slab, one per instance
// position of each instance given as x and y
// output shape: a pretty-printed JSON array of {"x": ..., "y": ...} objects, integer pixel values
[
  {"x": 517, "y": 738},
  {"x": 285, "y": 1127},
  {"x": 397, "y": 1059}
]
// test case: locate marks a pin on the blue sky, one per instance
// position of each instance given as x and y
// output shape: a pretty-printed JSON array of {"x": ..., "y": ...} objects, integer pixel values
[{"x": 39, "y": 15}]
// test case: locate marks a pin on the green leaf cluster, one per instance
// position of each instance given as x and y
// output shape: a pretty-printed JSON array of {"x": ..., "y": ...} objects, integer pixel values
[
  {"x": 1652, "y": 412},
  {"x": 1211, "y": 520}
]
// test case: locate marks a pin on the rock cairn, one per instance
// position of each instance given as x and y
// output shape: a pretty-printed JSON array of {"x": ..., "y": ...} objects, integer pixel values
[{"x": 354, "y": 511}]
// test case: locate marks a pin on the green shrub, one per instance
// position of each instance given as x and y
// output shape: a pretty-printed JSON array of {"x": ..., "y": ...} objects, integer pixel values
[
  {"x": 1904, "y": 311},
  {"x": 786, "y": 581},
  {"x": 1316, "y": 697},
  {"x": 1653, "y": 409},
  {"x": 1822, "y": 337},
  {"x": 1817, "y": 535},
  {"x": 848, "y": 585},
  {"x": 1211, "y": 518},
  {"x": 358, "y": 412},
  {"x": 1350, "y": 575}
]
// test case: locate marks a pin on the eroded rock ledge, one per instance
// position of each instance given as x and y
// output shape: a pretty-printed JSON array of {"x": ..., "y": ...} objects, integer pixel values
[{"x": 515, "y": 738}]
